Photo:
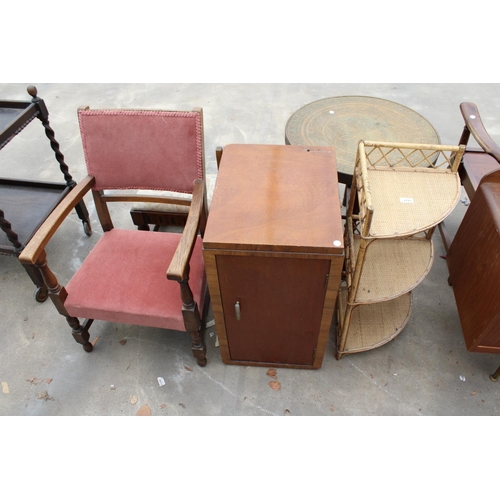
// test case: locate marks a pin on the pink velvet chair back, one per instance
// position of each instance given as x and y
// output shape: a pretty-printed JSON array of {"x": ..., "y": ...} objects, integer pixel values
[{"x": 138, "y": 149}]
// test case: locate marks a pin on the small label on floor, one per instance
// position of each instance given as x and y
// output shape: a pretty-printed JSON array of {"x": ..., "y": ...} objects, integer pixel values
[
  {"x": 406, "y": 200},
  {"x": 161, "y": 381}
]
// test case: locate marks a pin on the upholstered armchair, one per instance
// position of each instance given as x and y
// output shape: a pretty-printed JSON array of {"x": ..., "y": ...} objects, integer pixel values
[{"x": 152, "y": 279}]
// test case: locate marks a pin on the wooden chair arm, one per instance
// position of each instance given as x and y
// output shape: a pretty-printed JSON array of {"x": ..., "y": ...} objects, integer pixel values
[
  {"x": 40, "y": 239},
  {"x": 178, "y": 267},
  {"x": 476, "y": 127}
]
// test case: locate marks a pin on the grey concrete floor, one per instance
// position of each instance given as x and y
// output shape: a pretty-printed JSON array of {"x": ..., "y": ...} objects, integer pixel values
[{"x": 426, "y": 370}]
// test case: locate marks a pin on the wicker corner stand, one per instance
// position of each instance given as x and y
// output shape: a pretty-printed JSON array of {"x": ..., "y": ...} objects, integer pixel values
[{"x": 400, "y": 193}]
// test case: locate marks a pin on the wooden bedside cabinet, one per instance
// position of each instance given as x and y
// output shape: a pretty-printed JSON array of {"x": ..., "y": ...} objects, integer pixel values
[{"x": 274, "y": 252}]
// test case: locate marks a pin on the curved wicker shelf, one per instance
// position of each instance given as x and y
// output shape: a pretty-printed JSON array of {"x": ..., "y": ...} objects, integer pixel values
[
  {"x": 409, "y": 201},
  {"x": 371, "y": 325},
  {"x": 400, "y": 193},
  {"x": 392, "y": 267}
]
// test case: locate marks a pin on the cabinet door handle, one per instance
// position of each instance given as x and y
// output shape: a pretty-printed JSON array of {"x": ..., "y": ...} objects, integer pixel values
[{"x": 237, "y": 310}]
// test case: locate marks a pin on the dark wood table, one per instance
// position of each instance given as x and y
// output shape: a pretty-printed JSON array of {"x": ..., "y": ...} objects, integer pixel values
[
  {"x": 343, "y": 121},
  {"x": 26, "y": 203}
]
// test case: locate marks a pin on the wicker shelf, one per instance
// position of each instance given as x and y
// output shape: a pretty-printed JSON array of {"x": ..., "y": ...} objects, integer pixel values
[
  {"x": 409, "y": 201},
  {"x": 400, "y": 193},
  {"x": 372, "y": 325},
  {"x": 392, "y": 267}
]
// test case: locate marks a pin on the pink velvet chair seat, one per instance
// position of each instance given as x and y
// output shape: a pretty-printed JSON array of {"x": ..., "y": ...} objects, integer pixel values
[{"x": 123, "y": 280}]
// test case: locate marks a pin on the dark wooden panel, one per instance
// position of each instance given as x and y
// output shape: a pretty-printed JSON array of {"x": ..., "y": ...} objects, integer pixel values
[
  {"x": 281, "y": 301},
  {"x": 26, "y": 207},
  {"x": 474, "y": 264},
  {"x": 14, "y": 115},
  {"x": 475, "y": 166}
]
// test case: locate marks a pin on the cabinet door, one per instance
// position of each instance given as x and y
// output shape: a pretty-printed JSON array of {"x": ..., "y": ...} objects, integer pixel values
[{"x": 272, "y": 307}]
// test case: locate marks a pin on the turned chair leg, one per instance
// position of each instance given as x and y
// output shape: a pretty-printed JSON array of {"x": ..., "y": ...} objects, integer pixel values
[
  {"x": 81, "y": 332},
  {"x": 58, "y": 295},
  {"x": 41, "y": 292},
  {"x": 192, "y": 322},
  {"x": 495, "y": 375},
  {"x": 199, "y": 348}
]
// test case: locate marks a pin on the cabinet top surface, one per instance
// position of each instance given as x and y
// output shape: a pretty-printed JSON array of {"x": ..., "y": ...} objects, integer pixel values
[{"x": 276, "y": 198}]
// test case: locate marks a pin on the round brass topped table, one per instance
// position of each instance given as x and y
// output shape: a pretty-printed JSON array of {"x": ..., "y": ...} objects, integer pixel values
[{"x": 341, "y": 122}]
